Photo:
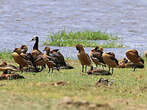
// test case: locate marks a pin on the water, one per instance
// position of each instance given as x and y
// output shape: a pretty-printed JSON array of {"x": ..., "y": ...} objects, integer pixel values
[{"x": 20, "y": 20}]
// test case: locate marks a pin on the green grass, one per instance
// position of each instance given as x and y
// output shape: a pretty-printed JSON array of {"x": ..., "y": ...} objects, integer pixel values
[
  {"x": 87, "y": 38},
  {"x": 35, "y": 92}
]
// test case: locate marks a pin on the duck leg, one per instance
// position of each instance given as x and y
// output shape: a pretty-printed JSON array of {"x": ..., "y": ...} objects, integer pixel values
[
  {"x": 52, "y": 70},
  {"x": 134, "y": 69},
  {"x": 82, "y": 68},
  {"x": 21, "y": 68},
  {"x": 112, "y": 70},
  {"x": 85, "y": 68},
  {"x": 109, "y": 69},
  {"x": 48, "y": 70}
]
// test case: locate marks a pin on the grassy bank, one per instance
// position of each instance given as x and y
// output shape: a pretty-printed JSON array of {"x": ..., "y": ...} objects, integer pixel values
[
  {"x": 36, "y": 92},
  {"x": 86, "y": 38}
]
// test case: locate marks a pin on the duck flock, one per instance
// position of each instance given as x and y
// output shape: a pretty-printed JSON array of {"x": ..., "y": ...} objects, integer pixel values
[{"x": 36, "y": 61}]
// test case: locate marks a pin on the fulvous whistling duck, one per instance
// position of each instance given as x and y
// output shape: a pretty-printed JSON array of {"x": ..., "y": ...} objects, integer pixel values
[
  {"x": 96, "y": 49},
  {"x": 58, "y": 57},
  {"x": 96, "y": 56},
  {"x": 50, "y": 63},
  {"x": 146, "y": 53},
  {"x": 104, "y": 82},
  {"x": 24, "y": 49},
  {"x": 50, "y": 60},
  {"x": 19, "y": 59},
  {"x": 7, "y": 68},
  {"x": 110, "y": 60},
  {"x": 133, "y": 56},
  {"x": 83, "y": 57},
  {"x": 28, "y": 56},
  {"x": 96, "y": 71},
  {"x": 123, "y": 62}
]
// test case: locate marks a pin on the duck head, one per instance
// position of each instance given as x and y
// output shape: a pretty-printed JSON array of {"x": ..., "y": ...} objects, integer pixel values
[
  {"x": 35, "y": 38},
  {"x": 17, "y": 50},
  {"x": 79, "y": 47},
  {"x": 24, "y": 48},
  {"x": 47, "y": 49}
]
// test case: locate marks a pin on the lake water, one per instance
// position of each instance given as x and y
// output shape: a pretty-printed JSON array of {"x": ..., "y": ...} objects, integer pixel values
[{"x": 20, "y": 20}]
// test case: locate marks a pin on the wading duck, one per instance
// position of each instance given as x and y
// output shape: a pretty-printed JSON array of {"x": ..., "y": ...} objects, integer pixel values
[
  {"x": 134, "y": 57},
  {"x": 110, "y": 60},
  {"x": 83, "y": 57}
]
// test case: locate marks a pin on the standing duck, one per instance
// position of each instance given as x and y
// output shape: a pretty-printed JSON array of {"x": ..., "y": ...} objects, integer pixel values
[
  {"x": 133, "y": 56},
  {"x": 35, "y": 52},
  {"x": 96, "y": 56},
  {"x": 58, "y": 57},
  {"x": 19, "y": 59},
  {"x": 83, "y": 57},
  {"x": 110, "y": 60}
]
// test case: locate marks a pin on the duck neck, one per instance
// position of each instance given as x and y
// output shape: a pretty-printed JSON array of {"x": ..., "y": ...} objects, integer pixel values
[
  {"x": 25, "y": 51},
  {"x": 35, "y": 47},
  {"x": 47, "y": 53}
]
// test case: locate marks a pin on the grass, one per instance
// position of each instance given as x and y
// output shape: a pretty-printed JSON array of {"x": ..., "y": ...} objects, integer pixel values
[
  {"x": 87, "y": 38},
  {"x": 35, "y": 92}
]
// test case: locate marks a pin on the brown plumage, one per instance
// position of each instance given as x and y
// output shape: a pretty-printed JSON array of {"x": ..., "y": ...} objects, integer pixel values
[
  {"x": 24, "y": 49},
  {"x": 96, "y": 71},
  {"x": 50, "y": 63},
  {"x": 19, "y": 59},
  {"x": 50, "y": 60},
  {"x": 35, "y": 52},
  {"x": 58, "y": 57},
  {"x": 110, "y": 60},
  {"x": 83, "y": 57},
  {"x": 47, "y": 50},
  {"x": 134, "y": 57},
  {"x": 123, "y": 62},
  {"x": 7, "y": 68},
  {"x": 146, "y": 53},
  {"x": 96, "y": 56}
]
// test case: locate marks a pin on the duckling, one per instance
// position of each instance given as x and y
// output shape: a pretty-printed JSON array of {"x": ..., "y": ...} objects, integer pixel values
[
  {"x": 83, "y": 57},
  {"x": 133, "y": 56},
  {"x": 19, "y": 59},
  {"x": 96, "y": 56},
  {"x": 110, "y": 60}
]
